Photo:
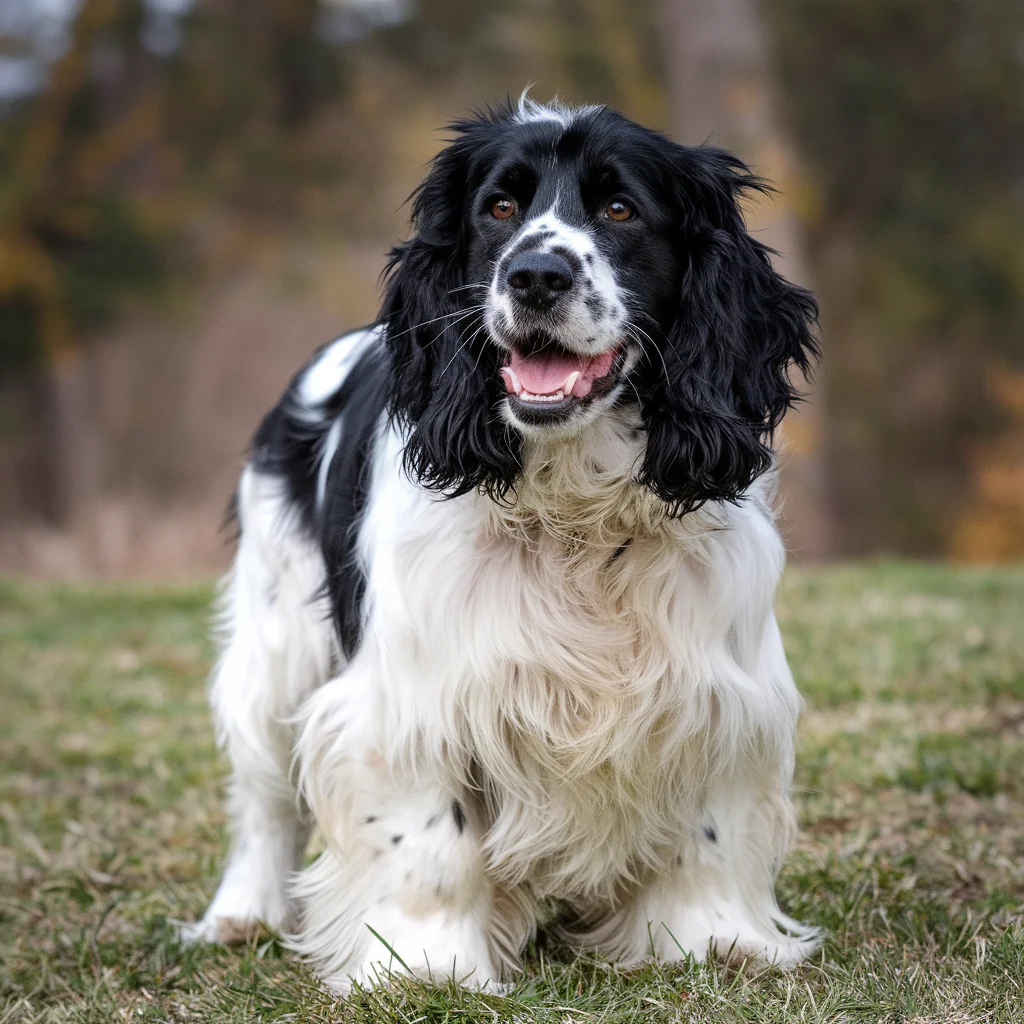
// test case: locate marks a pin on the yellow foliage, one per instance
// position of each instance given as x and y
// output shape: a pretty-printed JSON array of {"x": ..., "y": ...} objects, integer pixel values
[
  {"x": 53, "y": 181},
  {"x": 992, "y": 526},
  {"x": 27, "y": 270}
]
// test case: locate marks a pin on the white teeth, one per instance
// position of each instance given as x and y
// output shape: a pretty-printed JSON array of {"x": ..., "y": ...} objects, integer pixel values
[
  {"x": 523, "y": 395},
  {"x": 526, "y": 396},
  {"x": 510, "y": 376}
]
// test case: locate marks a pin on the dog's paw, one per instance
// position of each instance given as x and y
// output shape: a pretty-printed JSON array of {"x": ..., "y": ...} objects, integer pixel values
[{"x": 223, "y": 931}]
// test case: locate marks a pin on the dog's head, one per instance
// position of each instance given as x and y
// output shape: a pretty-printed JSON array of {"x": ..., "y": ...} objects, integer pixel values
[{"x": 569, "y": 261}]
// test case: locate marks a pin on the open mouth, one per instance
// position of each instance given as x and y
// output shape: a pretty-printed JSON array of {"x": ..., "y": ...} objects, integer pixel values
[{"x": 552, "y": 380}]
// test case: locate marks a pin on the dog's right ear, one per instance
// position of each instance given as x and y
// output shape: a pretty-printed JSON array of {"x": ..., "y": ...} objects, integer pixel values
[{"x": 445, "y": 383}]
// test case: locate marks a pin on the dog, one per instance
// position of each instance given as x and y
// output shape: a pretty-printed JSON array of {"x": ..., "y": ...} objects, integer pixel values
[{"x": 500, "y": 624}]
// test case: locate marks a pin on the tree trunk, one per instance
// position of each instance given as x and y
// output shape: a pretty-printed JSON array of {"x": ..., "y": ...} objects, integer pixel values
[
  {"x": 71, "y": 444},
  {"x": 718, "y": 69},
  {"x": 70, "y": 464}
]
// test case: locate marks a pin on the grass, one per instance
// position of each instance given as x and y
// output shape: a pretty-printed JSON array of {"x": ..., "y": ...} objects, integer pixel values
[{"x": 910, "y": 789}]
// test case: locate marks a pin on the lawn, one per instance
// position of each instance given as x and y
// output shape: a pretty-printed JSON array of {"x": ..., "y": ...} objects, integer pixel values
[{"x": 910, "y": 789}]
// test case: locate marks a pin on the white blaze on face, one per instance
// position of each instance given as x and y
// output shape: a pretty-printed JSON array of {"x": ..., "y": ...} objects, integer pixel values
[{"x": 590, "y": 319}]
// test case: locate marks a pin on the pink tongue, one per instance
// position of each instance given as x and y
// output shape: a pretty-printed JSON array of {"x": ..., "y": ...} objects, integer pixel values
[{"x": 545, "y": 372}]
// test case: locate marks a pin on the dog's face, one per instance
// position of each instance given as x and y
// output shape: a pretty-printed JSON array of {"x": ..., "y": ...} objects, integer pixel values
[
  {"x": 579, "y": 263},
  {"x": 568, "y": 262}
]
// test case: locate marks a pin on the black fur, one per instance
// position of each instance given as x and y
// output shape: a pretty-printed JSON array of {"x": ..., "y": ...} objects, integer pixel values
[
  {"x": 289, "y": 443},
  {"x": 445, "y": 385},
  {"x": 459, "y": 816},
  {"x": 711, "y": 409}
]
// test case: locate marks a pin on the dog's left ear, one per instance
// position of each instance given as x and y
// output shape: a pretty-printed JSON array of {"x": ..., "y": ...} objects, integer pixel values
[{"x": 721, "y": 384}]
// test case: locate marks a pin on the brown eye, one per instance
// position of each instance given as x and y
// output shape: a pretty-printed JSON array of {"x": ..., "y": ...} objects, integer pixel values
[
  {"x": 618, "y": 210},
  {"x": 503, "y": 209}
]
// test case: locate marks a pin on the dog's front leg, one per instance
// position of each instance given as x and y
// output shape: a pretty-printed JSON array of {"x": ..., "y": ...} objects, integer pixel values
[
  {"x": 406, "y": 891},
  {"x": 402, "y": 885},
  {"x": 721, "y": 896},
  {"x": 716, "y": 894}
]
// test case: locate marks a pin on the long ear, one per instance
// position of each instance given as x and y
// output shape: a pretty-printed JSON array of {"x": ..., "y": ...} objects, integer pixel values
[
  {"x": 721, "y": 386},
  {"x": 445, "y": 381}
]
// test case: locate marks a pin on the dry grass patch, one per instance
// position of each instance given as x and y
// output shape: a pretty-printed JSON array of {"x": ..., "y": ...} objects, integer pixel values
[{"x": 910, "y": 791}]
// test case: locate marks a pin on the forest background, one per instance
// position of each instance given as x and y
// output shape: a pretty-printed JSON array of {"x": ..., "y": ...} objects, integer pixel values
[{"x": 194, "y": 194}]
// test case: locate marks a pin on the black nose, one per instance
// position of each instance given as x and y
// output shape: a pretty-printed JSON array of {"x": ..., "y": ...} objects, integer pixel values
[{"x": 538, "y": 278}]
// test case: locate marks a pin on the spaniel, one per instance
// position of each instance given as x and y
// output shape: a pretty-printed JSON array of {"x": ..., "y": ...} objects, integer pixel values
[{"x": 500, "y": 625}]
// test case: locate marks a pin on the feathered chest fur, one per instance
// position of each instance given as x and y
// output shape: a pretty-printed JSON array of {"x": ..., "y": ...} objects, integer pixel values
[{"x": 567, "y": 656}]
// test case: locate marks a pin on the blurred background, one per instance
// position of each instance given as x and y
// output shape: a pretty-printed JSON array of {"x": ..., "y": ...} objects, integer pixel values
[{"x": 194, "y": 194}]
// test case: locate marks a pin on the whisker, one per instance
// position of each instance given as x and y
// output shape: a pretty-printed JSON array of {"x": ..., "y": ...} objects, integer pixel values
[
  {"x": 637, "y": 327},
  {"x": 457, "y": 351},
  {"x": 639, "y": 401},
  {"x": 469, "y": 314},
  {"x": 444, "y": 316},
  {"x": 447, "y": 328},
  {"x": 479, "y": 330},
  {"x": 465, "y": 287},
  {"x": 630, "y": 327},
  {"x": 667, "y": 338}
]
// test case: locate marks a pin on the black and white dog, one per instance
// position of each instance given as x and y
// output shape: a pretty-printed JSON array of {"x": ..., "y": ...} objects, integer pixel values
[{"x": 500, "y": 622}]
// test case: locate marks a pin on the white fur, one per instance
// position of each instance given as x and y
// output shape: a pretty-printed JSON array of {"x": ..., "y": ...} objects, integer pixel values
[
  {"x": 330, "y": 448},
  {"x": 328, "y": 371},
  {"x": 597, "y": 713},
  {"x": 277, "y": 646},
  {"x": 530, "y": 111},
  {"x": 580, "y": 328}
]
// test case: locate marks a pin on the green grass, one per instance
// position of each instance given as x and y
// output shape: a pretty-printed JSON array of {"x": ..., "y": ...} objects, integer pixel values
[{"x": 910, "y": 788}]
